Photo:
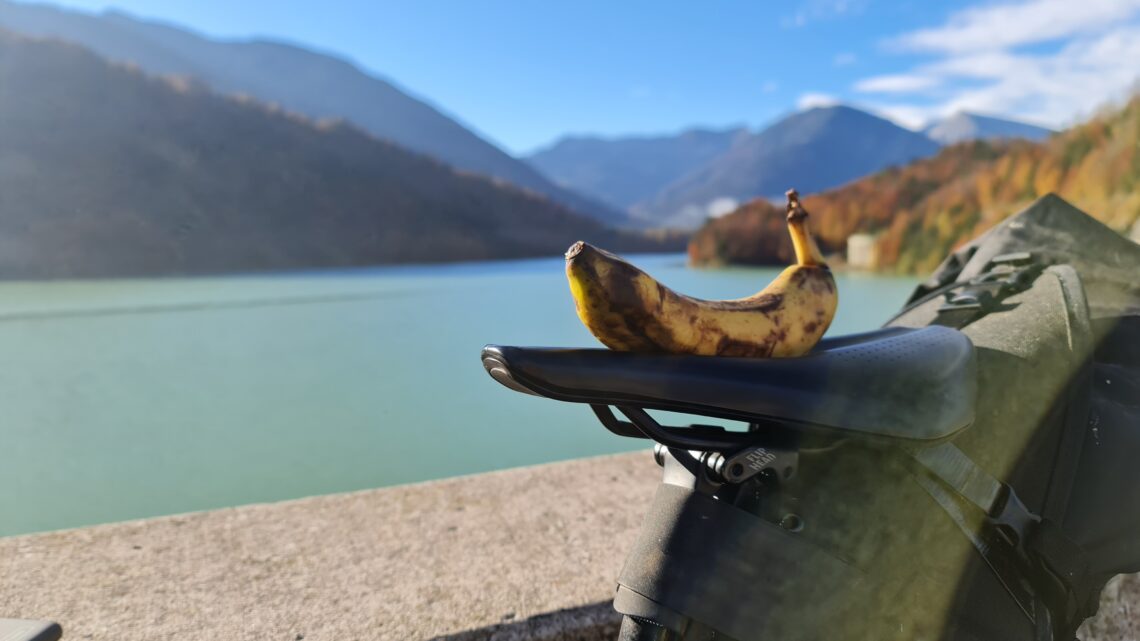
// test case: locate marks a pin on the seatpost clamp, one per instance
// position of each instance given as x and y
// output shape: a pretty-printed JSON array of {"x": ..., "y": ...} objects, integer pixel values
[{"x": 739, "y": 466}]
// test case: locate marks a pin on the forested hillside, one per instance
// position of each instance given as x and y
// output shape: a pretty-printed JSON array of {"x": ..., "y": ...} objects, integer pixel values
[
  {"x": 107, "y": 171},
  {"x": 317, "y": 84},
  {"x": 923, "y": 210}
]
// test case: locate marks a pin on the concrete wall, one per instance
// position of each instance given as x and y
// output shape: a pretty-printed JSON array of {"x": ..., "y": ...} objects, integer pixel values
[{"x": 531, "y": 553}]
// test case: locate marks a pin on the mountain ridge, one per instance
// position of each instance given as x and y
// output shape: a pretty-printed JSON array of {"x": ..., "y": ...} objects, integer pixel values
[
  {"x": 107, "y": 171},
  {"x": 793, "y": 150},
  {"x": 963, "y": 125},
  {"x": 623, "y": 170},
  {"x": 615, "y": 168},
  {"x": 316, "y": 84}
]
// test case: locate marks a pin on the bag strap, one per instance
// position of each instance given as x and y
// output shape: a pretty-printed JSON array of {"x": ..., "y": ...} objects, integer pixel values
[
  {"x": 1054, "y": 565},
  {"x": 1037, "y": 564}
]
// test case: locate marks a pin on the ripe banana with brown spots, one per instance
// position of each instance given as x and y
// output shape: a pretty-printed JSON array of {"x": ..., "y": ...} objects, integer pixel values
[{"x": 628, "y": 310}]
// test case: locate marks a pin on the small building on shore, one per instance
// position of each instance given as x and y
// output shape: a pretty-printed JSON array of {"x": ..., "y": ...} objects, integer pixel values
[{"x": 862, "y": 251}]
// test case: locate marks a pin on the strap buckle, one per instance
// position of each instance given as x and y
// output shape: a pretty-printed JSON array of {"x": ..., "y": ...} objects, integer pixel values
[
  {"x": 1039, "y": 566},
  {"x": 1005, "y": 275},
  {"x": 1011, "y": 518}
]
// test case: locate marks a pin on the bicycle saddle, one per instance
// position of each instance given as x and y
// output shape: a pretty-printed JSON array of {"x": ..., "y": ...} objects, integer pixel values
[{"x": 916, "y": 384}]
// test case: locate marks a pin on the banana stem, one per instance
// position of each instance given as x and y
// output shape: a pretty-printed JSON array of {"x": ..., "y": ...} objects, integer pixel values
[{"x": 807, "y": 251}]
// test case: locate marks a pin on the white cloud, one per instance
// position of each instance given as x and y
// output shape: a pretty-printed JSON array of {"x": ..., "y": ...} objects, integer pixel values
[
  {"x": 1000, "y": 26},
  {"x": 769, "y": 86},
  {"x": 812, "y": 10},
  {"x": 721, "y": 206},
  {"x": 809, "y": 100},
  {"x": 899, "y": 83},
  {"x": 1055, "y": 88},
  {"x": 844, "y": 59},
  {"x": 981, "y": 68}
]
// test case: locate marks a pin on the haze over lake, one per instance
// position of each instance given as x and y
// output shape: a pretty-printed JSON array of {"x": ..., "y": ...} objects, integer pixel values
[{"x": 135, "y": 398}]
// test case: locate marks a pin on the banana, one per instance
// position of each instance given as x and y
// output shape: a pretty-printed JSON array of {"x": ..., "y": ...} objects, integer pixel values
[{"x": 628, "y": 310}]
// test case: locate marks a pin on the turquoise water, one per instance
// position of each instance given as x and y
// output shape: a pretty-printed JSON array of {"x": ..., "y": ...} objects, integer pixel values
[{"x": 134, "y": 398}]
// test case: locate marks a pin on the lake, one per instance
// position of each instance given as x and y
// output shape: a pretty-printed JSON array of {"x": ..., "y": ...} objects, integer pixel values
[{"x": 133, "y": 398}]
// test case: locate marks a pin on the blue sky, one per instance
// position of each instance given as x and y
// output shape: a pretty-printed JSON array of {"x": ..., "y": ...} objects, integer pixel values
[{"x": 524, "y": 73}]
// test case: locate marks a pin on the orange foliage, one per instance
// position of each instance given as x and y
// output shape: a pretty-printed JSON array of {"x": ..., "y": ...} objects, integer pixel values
[{"x": 924, "y": 210}]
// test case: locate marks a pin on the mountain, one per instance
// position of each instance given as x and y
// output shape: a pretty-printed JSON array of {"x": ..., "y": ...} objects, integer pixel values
[
  {"x": 106, "y": 171},
  {"x": 811, "y": 150},
  {"x": 964, "y": 126},
  {"x": 757, "y": 234},
  {"x": 623, "y": 171},
  {"x": 919, "y": 213},
  {"x": 315, "y": 84}
]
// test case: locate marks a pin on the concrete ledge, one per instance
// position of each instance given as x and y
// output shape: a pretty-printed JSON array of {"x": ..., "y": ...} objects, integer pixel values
[
  {"x": 524, "y": 553},
  {"x": 529, "y": 553}
]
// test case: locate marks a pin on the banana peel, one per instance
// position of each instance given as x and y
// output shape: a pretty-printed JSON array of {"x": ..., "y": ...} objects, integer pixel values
[{"x": 629, "y": 310}]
